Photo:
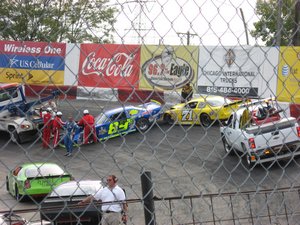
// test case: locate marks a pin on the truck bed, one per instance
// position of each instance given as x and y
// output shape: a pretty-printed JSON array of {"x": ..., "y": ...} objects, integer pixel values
[{"x": 271, "y": 126}]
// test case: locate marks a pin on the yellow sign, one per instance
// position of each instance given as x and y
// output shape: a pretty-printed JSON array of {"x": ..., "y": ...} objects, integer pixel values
[
  {"x": 43, "y": 77},
  {"x": 168, "y": 67},
  {"x": 288, "y": 82}
]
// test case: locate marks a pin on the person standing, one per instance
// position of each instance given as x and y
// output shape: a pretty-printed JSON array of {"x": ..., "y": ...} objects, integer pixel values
[
  {"x": 70, "y": 128},
  {"x": 47, "y": 120},
  {"x": 88, "y": 123},
  {"x": 114, "y": 207},
  {"x": 186, "y": 93},
  {"x": 53, "y": 105},
  {"x": 57, "y": 126}
]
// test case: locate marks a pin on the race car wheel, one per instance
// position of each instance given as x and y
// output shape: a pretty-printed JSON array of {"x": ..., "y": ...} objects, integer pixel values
[
  {"x": 14, "y": 136},
  {"x": 168, "y": 119},
  {"x": 18, "y": 195},
  {"x": 227, "y": 147},
  {"x": 205, "y": 120},
  {"x": 142, "y": 124},
  {"x": 7, "y": 184}
]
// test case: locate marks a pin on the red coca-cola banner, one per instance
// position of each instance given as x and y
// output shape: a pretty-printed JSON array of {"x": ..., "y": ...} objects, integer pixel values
[{"x": 109, "y": 65}]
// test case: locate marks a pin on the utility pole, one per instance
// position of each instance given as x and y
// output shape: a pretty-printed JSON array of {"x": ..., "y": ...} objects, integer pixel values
[
  {"x": 245, "y": 26},
  {"x": 188, "y": 34},
  {"x": 279, "y": 23},
  {"x": 141, "y": 10},
  {"x": 296, "y": 38}
]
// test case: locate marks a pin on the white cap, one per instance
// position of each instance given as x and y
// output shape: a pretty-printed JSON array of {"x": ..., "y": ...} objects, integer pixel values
[
  {"x": 59, "y": 113},
  {"x": 49, "y": 109},
  {"x": 85, "y": 111}
]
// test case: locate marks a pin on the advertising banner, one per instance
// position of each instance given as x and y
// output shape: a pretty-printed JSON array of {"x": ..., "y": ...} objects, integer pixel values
[
  {"x": 109, "y": 65},
  {"x": 231, "y": 71},
  {"x": 168, "y": 67},
  {"x": 288, "y": 85},
  {"x": 32, "y": 62}
]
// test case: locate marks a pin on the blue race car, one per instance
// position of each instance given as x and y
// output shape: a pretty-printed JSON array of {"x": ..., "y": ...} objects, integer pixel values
[{"x": 124, "y": 120}]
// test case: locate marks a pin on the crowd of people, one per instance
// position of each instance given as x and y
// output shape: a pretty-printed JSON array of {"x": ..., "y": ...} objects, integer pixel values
[{"x": 64, "y": 131}]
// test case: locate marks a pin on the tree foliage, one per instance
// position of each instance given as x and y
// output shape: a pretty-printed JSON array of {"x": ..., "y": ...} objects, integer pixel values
[
  {"x": 267, "y": 26},
  {"x": 57, "y": 20}
]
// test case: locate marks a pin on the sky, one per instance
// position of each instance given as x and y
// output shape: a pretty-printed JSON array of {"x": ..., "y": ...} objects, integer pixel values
[{"x": 209, "y": 22}]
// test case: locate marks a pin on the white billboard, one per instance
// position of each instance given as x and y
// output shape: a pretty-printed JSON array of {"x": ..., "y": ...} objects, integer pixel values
[{"x": 238, "y": 71}]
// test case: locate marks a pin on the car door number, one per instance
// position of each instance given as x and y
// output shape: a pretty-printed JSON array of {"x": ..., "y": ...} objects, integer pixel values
[
  {"x": 47, "y": 182},
  {"x": 118, "y": 126},
  {"x": 187, "y": 115}
]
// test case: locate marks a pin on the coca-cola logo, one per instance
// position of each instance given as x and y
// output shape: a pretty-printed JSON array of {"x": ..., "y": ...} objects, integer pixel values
[
  {"x": 167, "y": 72},
  {"x": 121, "y": 64}
]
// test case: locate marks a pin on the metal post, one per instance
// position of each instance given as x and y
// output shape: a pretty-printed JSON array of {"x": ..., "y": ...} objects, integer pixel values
[
  {"x": 296, "y": 39},
  {"x": 147, "y": 191},
  {"x": 245, "y": 26},
  {"x": 188, "y": 34}
]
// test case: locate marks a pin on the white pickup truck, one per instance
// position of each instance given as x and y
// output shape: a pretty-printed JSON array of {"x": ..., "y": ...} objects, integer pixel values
[
  {"x": 260, "y": 139},
  {"x": 18, "y": 116}
]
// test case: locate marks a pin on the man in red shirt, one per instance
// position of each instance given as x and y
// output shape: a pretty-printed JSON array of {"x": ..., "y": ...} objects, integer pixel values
[
  {"x": 57, "y": 126},
  {"x": 88, "y": 123},
  {"x": 47, "y": 119}
]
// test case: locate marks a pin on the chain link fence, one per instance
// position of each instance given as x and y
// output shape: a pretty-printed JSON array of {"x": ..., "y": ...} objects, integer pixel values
[{"x": 100, "y": 55}]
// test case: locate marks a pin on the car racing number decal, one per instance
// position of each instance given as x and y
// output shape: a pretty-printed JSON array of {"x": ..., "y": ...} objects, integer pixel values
[
  {"x": 187, "y": 115},
  {"x": 119, "y": 126}
]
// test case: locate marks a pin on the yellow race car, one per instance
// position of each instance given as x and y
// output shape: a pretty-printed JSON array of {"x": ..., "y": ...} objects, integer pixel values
[{"x": 204, "y": 110}]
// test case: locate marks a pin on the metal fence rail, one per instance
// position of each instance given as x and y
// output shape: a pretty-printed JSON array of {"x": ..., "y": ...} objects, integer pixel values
[
  {"x": 107, "y": 54},
  {"x": 278, "y": 206}
]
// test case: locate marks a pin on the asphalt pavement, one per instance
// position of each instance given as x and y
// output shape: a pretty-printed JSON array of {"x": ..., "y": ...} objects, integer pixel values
[{"x": 183, "y": 160}]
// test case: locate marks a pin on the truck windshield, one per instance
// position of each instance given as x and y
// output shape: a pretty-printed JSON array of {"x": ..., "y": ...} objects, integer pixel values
[{"x": 8, "y": 94}]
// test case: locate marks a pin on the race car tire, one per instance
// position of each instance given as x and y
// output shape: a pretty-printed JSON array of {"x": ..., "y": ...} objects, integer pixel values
[
  {"x": 14, "y": 136},
  {"x": 227, "y": 147},
  {"x": 18, "y": 196},
  {"x": 168, "y": 119},
  {"x": 205, "y": 120},
  {"x": 142, "y": 124},
  {"x": 7, "y": 184}
]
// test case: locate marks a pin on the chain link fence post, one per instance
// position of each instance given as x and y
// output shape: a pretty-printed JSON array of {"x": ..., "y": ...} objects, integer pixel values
[{"x": 147, "y": 191}]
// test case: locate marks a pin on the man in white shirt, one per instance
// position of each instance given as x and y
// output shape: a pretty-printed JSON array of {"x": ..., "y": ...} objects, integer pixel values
[{"x": 115, "y": 210}]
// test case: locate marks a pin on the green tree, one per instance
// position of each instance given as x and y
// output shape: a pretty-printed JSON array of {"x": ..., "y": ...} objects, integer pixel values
[
  {"x": 267, "y": 26},
  {"x": 57, "y": 20}
]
